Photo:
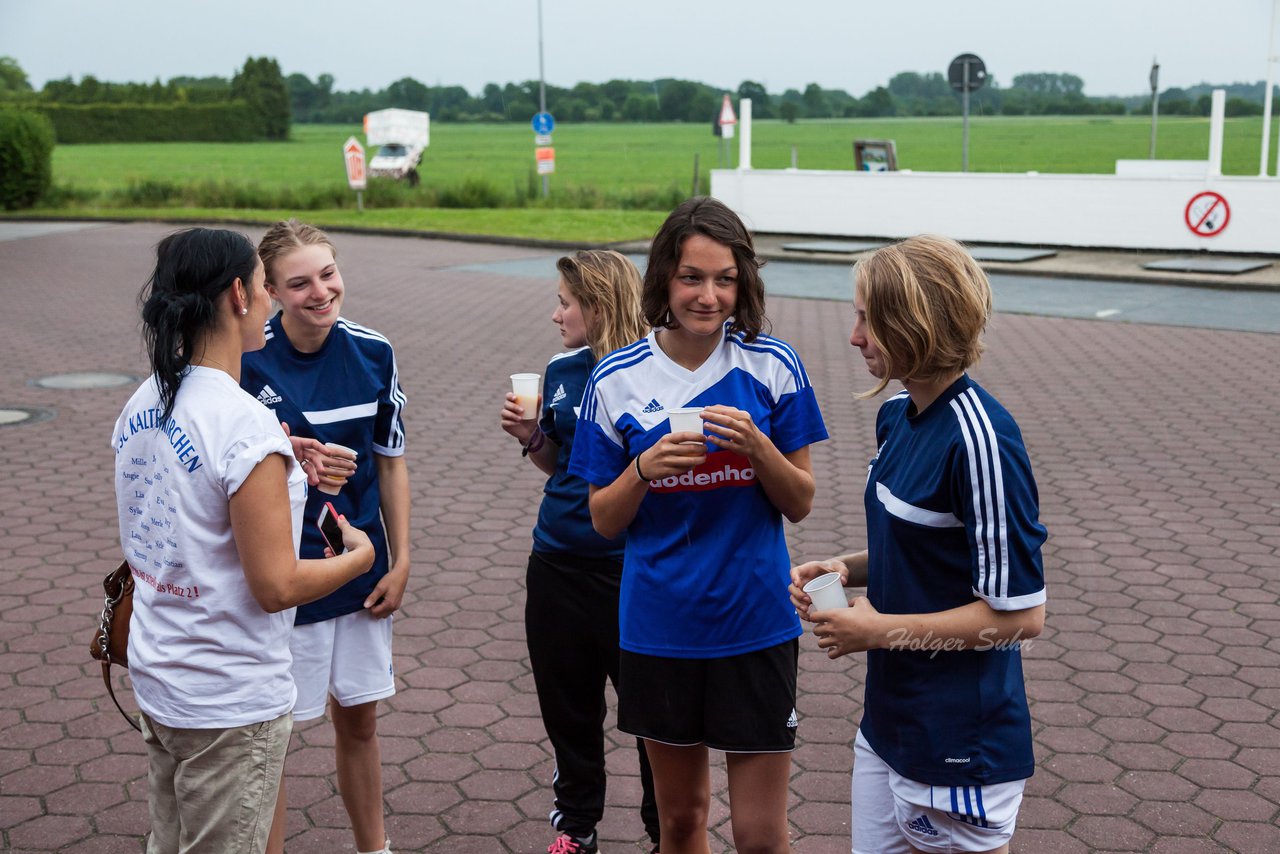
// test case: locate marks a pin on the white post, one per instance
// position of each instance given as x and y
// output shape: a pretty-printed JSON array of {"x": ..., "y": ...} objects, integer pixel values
[
  {"x": 744, "y": 141},
  {"x": 1264, "y": 166},
  {"x": 1217, "y": 118}
]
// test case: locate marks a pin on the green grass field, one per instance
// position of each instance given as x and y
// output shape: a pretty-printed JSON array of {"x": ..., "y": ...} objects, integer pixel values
[
  {"x": 658, "y": 155},
  {"x": 610, "y": 177}
]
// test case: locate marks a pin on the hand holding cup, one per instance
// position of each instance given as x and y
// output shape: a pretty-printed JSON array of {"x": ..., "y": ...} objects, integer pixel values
[
  {"x": 333, "y": 469},
  {"x": 805, "y": 573},
  {"x": 525, "y": 388},
  {"x": 514, "y": 421}
]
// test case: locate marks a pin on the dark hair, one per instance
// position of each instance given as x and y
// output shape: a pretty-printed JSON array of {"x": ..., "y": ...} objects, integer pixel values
[
  {"x": 710, "y": 218},
  {"x": 193, "y": 268}
]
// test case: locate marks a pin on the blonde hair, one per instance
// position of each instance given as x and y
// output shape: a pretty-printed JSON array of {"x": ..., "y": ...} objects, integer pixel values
[
  {"x": 286, "y": 236},
  {"x": 608, "y": 284},
  {"x": 927, "y": 303}
]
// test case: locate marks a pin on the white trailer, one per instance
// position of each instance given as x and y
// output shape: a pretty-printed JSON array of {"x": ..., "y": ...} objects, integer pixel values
[{"x": 402, "y": 136}]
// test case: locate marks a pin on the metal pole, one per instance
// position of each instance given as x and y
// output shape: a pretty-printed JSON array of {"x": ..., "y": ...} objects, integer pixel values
[
  {"x": 965, "y": 161},
  {"x": 696, "y": 176},
  {"x": 1263, "y": 166},
  {"x": 1155, "y": 105},
  {"x": 542, "y": 93}
]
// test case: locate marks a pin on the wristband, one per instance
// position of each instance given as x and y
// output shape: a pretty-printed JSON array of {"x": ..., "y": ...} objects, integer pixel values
[
  {"x": 534, "y": 444},
  {"x": 639, "y": 473}
]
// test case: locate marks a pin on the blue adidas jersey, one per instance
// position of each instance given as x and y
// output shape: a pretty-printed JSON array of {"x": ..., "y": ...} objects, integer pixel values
[
  {"x": 564, "y": 519},
  {"x": 706, "y": 567},
  {"x": 952, "y": 516},
  {"x": 346, "y": 392}
]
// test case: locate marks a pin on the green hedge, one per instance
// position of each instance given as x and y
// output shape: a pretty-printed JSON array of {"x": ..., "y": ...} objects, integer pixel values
[
  {"x": 227, "y": 122},
  {"x": 26, "y": 157}
]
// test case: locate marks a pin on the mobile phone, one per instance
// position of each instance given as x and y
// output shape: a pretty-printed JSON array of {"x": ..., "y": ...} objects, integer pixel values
[{"x": 328, "y": 524}]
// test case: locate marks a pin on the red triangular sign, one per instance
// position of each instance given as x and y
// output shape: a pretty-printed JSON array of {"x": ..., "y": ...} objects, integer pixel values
[{"x": 726, "y": 113}]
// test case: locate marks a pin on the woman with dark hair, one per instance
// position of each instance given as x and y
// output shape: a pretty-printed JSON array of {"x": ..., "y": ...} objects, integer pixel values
[
  {"x": 210, "y": 501},
  {"x": 707, "y": 633},
  {"x": 953, "y": 570},
  {"x": 571, "y": 608}
]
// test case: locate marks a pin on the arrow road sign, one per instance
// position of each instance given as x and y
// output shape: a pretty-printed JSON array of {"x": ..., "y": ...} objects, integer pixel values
[{"x": 353, "y": 154}]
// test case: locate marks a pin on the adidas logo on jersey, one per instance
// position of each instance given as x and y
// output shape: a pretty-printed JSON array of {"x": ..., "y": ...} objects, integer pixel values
[
  {"x": 922, "y": 825},
  {"x": 268, "y": 396},
  {"x": 560, "y": 395},
  {"x": 793, "y": 721},
  {"x": 652, "y": 406}
]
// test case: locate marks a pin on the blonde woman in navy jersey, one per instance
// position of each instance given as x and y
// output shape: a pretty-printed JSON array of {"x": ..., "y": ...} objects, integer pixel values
[
  {"x": 333, "y": 380},
  {"x": 952, "y": 569},
  {"x": 574, "y": 574}
]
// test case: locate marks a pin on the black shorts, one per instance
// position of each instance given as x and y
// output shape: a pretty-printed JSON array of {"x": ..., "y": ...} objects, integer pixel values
[{"x": 739, "y": 704}]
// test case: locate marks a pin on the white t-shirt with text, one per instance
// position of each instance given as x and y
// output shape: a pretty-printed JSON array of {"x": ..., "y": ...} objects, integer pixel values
[{"x": 202, "y": 651}]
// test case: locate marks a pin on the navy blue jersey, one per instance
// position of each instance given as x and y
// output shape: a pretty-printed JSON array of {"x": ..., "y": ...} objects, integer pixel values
[
  {"x": 706, "y": 567},
  {"x": 952, "y": 517},
  {"x": 564, "y": 519},
  {"x": 347, "y": 392}
]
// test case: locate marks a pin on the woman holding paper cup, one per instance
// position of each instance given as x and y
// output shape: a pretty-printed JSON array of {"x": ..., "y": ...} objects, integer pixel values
[
  {"x": 574, "y": 575},
  {"x": 335, "y": 383},
  {"x": 708, "y": 637},
  {"x": 953, "y": 569},
  {"x": 210, "y": 503}
]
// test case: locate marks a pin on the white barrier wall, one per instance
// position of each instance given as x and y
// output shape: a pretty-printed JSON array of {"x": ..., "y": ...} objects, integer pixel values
[{"x": 1056, "y": 210}]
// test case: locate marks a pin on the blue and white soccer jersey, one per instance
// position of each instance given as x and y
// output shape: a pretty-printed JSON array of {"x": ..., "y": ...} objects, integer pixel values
[
  {"x": 347, "y": 392},
  {"x": 706, "y": 567},
  {"x": 952, "y": 516}
]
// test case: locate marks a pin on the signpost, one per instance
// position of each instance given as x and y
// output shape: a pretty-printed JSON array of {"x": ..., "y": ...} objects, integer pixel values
[
  {"x": 357, "y": 178},
  {"x": 543, "y": 124},
  {"x": 1155, "y": 105},
  {"x": 966, "y": 74},
  {"x": 724, "y": 124}
]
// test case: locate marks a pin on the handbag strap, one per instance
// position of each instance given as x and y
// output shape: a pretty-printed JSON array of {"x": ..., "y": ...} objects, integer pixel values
[
  {"x": 117, "y": 584},
  {"x": 106, "y": 678}
]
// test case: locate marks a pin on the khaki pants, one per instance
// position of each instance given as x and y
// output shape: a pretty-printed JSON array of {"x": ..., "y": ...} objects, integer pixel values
[{"x": 213, "y": 790}]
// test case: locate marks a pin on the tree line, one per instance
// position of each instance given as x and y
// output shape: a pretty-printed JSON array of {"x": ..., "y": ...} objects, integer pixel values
[{"x": 296, "y": 97}]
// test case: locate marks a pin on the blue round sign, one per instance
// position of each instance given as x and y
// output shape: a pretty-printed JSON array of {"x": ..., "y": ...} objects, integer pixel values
[{"x": 543, "y": 123}]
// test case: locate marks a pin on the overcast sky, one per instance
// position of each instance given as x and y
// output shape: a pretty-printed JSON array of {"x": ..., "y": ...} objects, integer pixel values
[{"x": 840, "y": 44}]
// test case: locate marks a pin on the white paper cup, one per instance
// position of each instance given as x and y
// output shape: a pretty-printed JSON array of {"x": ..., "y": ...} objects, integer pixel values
[
  {"x": 332, "y": 486},
  {"x": 686, "y": 419},
  {"x": 525, "y": 388},
  {"x": 826, "y": 592}
]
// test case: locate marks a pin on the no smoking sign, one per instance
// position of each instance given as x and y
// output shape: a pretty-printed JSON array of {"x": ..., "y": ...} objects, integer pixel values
[{"x": 1207, "y": 214}]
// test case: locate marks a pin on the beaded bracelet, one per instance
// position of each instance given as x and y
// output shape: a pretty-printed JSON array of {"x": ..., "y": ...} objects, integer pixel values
[{"x": 534, "y": 444}]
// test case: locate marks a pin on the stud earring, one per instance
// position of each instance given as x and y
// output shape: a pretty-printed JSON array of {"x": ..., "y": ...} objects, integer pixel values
[{"x": 244, "y": 311}]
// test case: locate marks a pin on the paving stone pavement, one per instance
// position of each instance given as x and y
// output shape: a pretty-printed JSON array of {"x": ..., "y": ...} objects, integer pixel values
[{"x": 1155, "y": 686}]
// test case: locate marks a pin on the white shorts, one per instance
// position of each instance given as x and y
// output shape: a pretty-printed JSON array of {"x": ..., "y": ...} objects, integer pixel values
[
  {"x": 892, "y": 813},
  {"x": 348, "y": 657}
]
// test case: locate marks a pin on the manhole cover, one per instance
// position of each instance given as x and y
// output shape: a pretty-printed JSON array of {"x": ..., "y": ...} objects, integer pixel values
[
  {"x": 10, "y": 415},
  {"x": 85, "y": 379}
]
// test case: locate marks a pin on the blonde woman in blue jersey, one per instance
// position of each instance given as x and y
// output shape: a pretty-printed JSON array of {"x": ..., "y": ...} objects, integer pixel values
[
  {"x": 574, "y": 575},
  {"x": 952, "y": 569},
  {"x": 335, "y": 381},
  {"x": 708, "y": 635}
]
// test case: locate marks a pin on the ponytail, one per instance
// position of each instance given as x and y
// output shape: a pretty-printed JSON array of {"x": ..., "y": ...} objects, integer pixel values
[{"x": 193, "y": 268}]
